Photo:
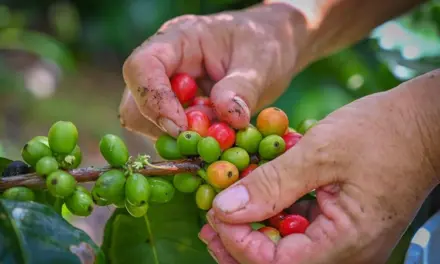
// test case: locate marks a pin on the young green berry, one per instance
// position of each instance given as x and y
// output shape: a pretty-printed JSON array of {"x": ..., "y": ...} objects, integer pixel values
[
  {"x": 256, "y": 225},
  {"x": 249, "y": 139},
  {"x": 70, "y": 161},
  {"x": 305, "y": 125},
  {"x": 237, "y": 156},
  {"x": 204, "y": 196},
  {"x": 33, "y": 151},
  {"x": 98, "y": 200},
  {"x": 166, "y": 147},
  {"x": 114, "y": 150},
  {"x": 137, "y": 189},
  {"x": 271, "y": 147},
  {"x": 63, "y": 137},
  {"x": 262, "y": 162},
  {"x": 110, "y": 186},
  {"x": 46, "y": 166},
  {"x": 209, "y": 149},
  {"x": 162, "y": 191},
  {"x": 186, "y": 182},
  {"x": 202, "y": 173},
  {"x": 61, "y": 184},
  {"x": 19, "y": 193},
  {"x": 187, "y": 142},
  {"x": 136, "y": 211},
  {"x": 80, "y": 203},
  {"x": 42, "y": 139}
]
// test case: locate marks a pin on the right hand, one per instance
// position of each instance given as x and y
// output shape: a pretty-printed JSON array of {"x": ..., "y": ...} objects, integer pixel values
[{"x": 243, "y": 60}]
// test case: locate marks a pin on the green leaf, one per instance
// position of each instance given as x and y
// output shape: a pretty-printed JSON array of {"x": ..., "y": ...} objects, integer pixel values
[
  {"x": 4, "y": 162},
  {"x": 33, "y": 233},
  {"x": 167, "y": 235}
]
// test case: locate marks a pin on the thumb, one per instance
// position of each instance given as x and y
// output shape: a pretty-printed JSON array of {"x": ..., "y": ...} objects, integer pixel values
[{"x": 269, "y": 189}]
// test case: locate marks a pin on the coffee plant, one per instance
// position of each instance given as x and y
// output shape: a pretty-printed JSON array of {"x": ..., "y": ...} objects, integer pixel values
[{"x": 160, "y": 206}]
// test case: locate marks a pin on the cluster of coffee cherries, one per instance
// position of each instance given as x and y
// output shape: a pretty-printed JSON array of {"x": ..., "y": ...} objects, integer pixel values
[{"x": 228, "y": 154}]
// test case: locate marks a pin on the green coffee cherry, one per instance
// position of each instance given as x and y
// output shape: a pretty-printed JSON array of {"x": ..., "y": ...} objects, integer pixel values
[
  {"x": 271, "y": 147},
  {"x": 99, "y": 200},
  {"x": 186, "y": 182},
  {"x": 162, "y": 191},
  {"x": 137, "y": 189},
  {"x": 237, "y": 156},
  {"x": 166, "y": 147},
  {"x": 63, "y": 137},
  {"x": 33, "y": 151},
  {"x": 249, "y": 139},
  {"x": 262, "y": 162},
  {"x": 136, "y": 211},
  {"x": 114, "y": 150},
  {"x": 61, "y": 184},
  {"x": 256, "y": 226},
  {"x": 202, "y": 174},
  {"x": 204, "y": 196},
  {"x": 187, "y": 142},
  {"x": 19, "y": 193},
  {"x": 70, "y": 161},
  {"x": 46, "y": 166},
  {"x": 80, "y": 203},
  {"x": 110, "y": 186},
  {"x": 209, "y": 149},
  {"x": 305, "y": 125},
  {"x": 42, "y": 139}
]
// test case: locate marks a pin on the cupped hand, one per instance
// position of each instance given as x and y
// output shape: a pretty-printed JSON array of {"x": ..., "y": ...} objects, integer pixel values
[
  {"x": 370, "y": 165},
  {"x": 243, "y": 60}
]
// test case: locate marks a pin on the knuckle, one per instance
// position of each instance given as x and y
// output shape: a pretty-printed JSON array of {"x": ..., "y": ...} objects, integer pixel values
[{"x": 269, "y": 186}]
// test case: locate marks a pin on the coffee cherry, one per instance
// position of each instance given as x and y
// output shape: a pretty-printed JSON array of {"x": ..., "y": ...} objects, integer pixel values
[
  {"x": 291, "y": 139},
  {"x": 201, "y": 100},
  {"x": 162, "y": 191},
  {"x": 271, "y": 233},
  {"x": 33, "y": 151},
  {"x": 187, "y": 142},
  {"x": 223, "y": 133},
  {"x": 110, "y": 186},
  {"x": 204, "y": 196},
  {"x": 261, "y": 162},
  {"x": 249, "y": 139},
  {"x": 46, "y": 166},
  {"x": 293, "y": 224},
  {"x": 198, "y": 122},
  {"x": 290, "y": 130},
  {"x": 42, "y": 139},
  {"x": 136, "y": 211},
  {"x": 209, "y": 149},
  {"x": 19, "y": 193},
  {"x": 256, "y": 226},
  {"x": 271, "y": 147},
  {"x": 63, "y": 137},
  {"x": 70, "y": 161},
  {"x": 60, "y": 184},
  {"x": 275, "y": 220},
  {"x": 114, "y": 150},
  {"x": 202, "y": 174},
  {"x": 15, "y": 168},
  {"x": 137, "y": 189},
  {"x": 166, "y": 147},
  {"x": 186, "y": 182},
  {"x": 272, "y": 121},
  {"x": 98, "y": 200},
  {"x": 184, "y": 86},
  {"x": 80, "y": 203},
  {"x": 305, "y": 125},
  {"x": 248, "y": 170},
  {"x": 222, "y": 174},
  {"x": 237, "y": 156}
]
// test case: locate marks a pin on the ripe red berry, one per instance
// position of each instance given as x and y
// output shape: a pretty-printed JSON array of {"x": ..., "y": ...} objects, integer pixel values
[
  {"x": 293, "y": 224},
  {"x": 223, "y": 133},
  {"x": 275, "y": 220},
  {"x": 184, "y": 86},
  {"x": 248, "y": 170},
  {"x": 201, "y": 100},
  {"x": 291, "y": 138},
  {"x": 198, "y": 122},
  {"x": 271, "y": 233}
]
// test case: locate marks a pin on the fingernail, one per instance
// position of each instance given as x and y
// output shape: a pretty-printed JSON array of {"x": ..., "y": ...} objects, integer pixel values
[
  {"x": 210, "y": 221},
  {"x": 233, "y": 199},
  {"x": 202, "y": 238},
  {"x": 242, "y": 105},
  {"x": 169, "y": 126},
  {"x": 212, "y": 255}
]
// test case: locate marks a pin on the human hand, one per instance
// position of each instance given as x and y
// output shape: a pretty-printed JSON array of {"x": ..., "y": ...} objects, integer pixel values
[
  {"x": 372, "y": 165},
  {"x": 250, "y": 55}
]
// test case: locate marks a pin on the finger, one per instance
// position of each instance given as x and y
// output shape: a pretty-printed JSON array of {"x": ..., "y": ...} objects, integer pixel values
[
  {"x": 219, "y": 252},
  {"x": 133, "y": 120},
  {"x": 146, "y": 73},
  {"x": 207, "y": 233},
  {"x": 274, "y": 186}
]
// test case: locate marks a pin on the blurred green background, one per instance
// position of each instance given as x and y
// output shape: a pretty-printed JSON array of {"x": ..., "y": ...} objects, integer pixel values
[{"x": 61, "y": 60}]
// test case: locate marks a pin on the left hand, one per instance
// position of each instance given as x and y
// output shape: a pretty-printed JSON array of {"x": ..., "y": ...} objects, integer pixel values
[{"x": 372, "y": 168}]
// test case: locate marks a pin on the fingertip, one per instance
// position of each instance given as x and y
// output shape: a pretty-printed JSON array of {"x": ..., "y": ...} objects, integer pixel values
[{"x": 231, "y": 108}]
